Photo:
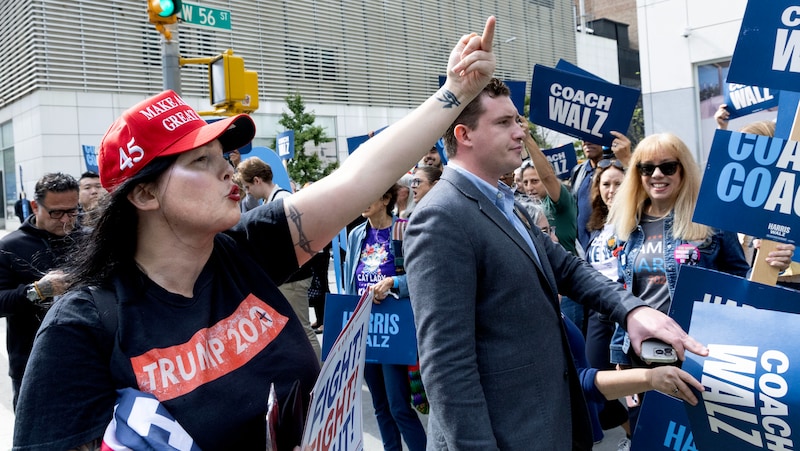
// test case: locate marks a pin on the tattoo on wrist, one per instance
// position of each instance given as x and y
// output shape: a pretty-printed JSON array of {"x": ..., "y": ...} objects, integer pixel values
[
  {"x": 448, "y": 98},
  {"x": 302, "y": 242}
]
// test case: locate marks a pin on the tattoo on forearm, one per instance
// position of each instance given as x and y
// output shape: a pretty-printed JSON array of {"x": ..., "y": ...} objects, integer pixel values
[
  {"x": 448, "y": 98},
  {"x": 302, "y": 242}
]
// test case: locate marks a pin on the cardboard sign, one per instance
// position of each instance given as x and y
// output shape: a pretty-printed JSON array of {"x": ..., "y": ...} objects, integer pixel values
[
  {"x": 285, "y": 144},
  {"x": 583, "y": 107},
  {"x": 768, "y": 49},
  {"x": 335, "y": 419},
  {"x": 563, "y": 159},
  {"x": 751, "y": 186},
  {"x": 742, "y": 100},
  {"x": 751, "y": 378},
  {"x": 392, "y": 335}
]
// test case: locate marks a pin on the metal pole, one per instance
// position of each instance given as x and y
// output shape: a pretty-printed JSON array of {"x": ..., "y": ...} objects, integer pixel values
[{"x": 170, "y": 62}]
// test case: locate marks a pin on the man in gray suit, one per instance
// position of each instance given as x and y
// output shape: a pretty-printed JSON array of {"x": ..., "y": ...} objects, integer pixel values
[{"x": 484, "y": 286}]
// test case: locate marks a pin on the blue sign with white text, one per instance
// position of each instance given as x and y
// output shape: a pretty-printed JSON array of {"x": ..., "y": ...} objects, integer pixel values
[
  {"x": 89, "y": 157},
  {"x": 392, "y": 335},
  {"x": 661, "y": 425},
  {"x": 742, "y": 100},
  {"x": 697, "y": 284},
  {"x": 285, "y": 144},
  {"x": 750, "y": 186},
  {"x": 751, "y": 375},
  {"x": 584, "y": 107},
  {"x": 768, "y": 49},
  {"x": 563, "y": 159}
]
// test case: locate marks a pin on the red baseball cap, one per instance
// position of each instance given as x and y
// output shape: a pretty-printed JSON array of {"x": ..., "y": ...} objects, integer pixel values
[{"x": 162, "y": 125}]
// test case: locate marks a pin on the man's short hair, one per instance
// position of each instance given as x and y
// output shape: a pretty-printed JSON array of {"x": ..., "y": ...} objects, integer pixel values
[
  {"x": 55, "y": 182},
  {"x": 472, "y": 112},
  {"x": 89, "y": 175},
  {"x": 254, "y": 167}
]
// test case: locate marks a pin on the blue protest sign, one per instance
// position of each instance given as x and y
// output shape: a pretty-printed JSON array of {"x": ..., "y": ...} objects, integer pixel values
[
  {"x": 697, "y": 284},
  {"x": 768, "y": 49},
  {"x": 354, "y": 141},
  {"x": 279, "y": 175},
  {"x": 563, "y": 159},
  {"x": 90, "y": 158},
  {"x": 517, "y": 94},
  {"x": 566, "y": 66},
  {"x": 392, "y": 335},
  {"x": 787, "y": 108},
  {"x": 750, "y": 377},
  {"x": 750, "y": 186},
  {"x": 663, "y": 425},
  {"x": 742, "y": 100},
  {"x": 285, "y": 144},
  {"x": 583, "y": 107}
]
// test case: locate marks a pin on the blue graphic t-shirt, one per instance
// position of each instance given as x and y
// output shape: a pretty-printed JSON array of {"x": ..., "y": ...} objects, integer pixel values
[{"x": 376, "y": 261}]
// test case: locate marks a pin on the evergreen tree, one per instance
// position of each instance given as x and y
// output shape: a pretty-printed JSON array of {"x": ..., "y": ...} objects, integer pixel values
[{"x": 303, "y": 167}]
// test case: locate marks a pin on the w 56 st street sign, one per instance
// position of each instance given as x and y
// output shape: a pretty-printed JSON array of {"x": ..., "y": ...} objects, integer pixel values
[{"x": 205, "y": 16}]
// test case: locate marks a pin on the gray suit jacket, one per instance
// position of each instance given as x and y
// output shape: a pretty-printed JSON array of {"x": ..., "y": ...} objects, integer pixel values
[{"x": 494, "y": 356}]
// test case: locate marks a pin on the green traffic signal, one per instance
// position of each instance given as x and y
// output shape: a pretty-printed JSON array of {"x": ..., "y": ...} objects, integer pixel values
[{"x": 168, "y": 7}]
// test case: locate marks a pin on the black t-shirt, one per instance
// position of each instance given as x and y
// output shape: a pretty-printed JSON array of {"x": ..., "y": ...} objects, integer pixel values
[{"x": 209, "y": 359}]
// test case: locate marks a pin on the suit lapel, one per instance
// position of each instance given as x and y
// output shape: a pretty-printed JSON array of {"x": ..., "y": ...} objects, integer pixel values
[{"x": 490, "y": 210}]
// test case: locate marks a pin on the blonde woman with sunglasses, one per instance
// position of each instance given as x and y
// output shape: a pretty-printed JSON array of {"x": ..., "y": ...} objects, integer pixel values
[{"x": 652, "y": 215}]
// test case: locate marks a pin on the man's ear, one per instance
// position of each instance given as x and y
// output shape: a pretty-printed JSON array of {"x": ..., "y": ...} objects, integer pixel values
[
  {"x": 143, "y": 197},
  {"x": 257, "y": 180},
  {"x": 34, "y": 206},
  {"x": 462, "y": 134}
]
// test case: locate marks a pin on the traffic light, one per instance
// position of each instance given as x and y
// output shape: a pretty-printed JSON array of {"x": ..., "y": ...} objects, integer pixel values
[
  {"x": 231, "y": 86},
  {"x": 163, "y": 11}
]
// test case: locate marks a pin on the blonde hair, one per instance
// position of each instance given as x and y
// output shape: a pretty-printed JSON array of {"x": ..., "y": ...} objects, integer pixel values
[
  {"x": 631, "y": 200},
  {"x": 765, "y": 128}
]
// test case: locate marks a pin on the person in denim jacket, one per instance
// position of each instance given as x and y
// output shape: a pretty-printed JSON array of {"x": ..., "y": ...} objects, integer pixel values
[{"x": 652, "y": 215}]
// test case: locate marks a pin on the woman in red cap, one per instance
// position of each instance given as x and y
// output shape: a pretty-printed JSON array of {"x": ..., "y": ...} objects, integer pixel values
[{"x": 175, "y": 295}]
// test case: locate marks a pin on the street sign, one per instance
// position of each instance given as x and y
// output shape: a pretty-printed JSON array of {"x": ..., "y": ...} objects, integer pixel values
[{"x": 205, "y": 16}]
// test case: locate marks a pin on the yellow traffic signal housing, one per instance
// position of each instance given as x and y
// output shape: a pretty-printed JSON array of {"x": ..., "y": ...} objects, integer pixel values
[{"x": 231, "y": 86}]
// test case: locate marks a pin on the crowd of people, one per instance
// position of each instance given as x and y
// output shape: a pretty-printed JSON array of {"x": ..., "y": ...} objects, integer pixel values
[{"x": 192, "y": 249}]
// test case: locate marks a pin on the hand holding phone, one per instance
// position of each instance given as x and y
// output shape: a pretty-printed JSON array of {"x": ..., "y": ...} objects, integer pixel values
[{"x": 656, "y": 351}]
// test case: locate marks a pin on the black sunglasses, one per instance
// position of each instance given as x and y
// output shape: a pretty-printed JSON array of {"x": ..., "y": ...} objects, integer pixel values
[
  {"x": 604, "y": 163},
  {"x": 666, "y": 168}
]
